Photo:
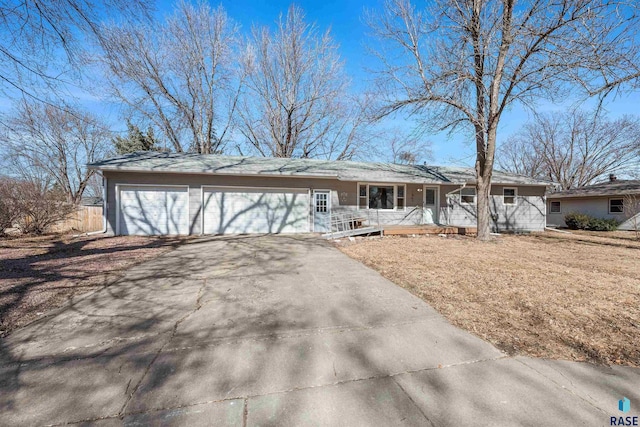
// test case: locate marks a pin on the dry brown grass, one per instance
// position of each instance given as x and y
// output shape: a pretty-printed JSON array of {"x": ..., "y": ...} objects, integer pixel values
[
  {"x": 40, "y": 273},
  {"x": 564, "y": 296}
]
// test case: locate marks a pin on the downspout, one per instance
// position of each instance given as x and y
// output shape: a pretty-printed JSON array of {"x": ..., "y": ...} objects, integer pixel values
[{"x": 104, "y": 208}]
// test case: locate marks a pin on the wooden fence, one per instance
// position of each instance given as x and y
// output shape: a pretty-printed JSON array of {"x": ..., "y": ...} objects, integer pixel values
[{"x": 83, "y": 219}]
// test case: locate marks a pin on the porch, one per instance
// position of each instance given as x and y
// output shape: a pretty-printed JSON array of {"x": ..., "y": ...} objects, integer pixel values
[{"x": 406, "y": 230}]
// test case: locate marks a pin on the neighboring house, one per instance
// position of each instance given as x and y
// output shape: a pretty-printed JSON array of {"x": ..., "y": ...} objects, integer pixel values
[
  {"x": 602, "y": 200},
  {"x": 167, "y": 193},
  {"x": 91, "y": 201}
]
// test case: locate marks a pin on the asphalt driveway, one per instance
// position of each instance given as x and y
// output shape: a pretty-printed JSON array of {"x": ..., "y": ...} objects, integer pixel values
[{"x": 280, "y": 330}]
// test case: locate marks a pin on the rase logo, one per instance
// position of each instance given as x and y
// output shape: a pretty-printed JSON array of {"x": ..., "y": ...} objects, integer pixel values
[{"x": 624, "y": 405}]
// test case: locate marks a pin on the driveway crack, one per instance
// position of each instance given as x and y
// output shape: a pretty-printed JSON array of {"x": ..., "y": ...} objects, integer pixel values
[
  {"x": 197, "y": 306},
  {"x": 412, "y": 401},
  {"x": 562, "y": 387}
]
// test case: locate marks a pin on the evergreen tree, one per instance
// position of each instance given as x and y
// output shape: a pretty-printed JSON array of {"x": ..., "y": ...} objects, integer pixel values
[{"x": 136, "y": 140}]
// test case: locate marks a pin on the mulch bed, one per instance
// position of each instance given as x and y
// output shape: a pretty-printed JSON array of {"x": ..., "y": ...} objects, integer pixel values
[{"x": 43, "y": 272}]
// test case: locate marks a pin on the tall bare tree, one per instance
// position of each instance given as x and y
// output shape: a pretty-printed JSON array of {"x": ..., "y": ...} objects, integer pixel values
[
  {"x": 35, "y": 33},
  {"x": 462, "y": 63},
  {"x": 50, "y": 144},
  {"x": 178, "y": 75},
  {"x": 406, "y": 149},
  {"x": 296, "y": 102},
  {"x": 575, "y": 148}
]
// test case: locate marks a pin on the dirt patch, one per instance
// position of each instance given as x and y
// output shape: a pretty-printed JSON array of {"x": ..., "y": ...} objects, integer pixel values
[
  {"x": 562, "y": 296},
  {"x": 40, "y": 273}
]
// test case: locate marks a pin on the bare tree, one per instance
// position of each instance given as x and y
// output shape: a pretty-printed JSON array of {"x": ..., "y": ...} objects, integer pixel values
[
  {"x": 574, "y": 149},
  {"x": 407, "y": 149},
  {"x": 296, "y": 102},
  {"x": 178, "y": 75},
  {"x": 47, "y": 143},
  {"x": 461, "y": 63},
  {"x": 34, "y": 33},
  {"x": 94, "y": 186}
]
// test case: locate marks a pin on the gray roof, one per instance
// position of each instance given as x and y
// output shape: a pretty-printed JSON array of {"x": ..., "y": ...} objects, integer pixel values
[
  {"x": 91, "y": 201},
  {"x": 162, "y": 162},
  {"x": 608, "y": 188}
]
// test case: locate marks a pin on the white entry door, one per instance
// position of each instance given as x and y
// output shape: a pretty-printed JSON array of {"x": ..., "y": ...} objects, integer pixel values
[
  {"x": 430, "y": 205},
  {"x": 152, "y": 210},
  {"x": 255, "y": 210},
  {"x": 321, "y": 211}
]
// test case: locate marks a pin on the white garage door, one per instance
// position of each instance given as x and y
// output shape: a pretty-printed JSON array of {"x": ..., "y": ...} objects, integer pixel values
[
  {"x": 253, "y": 210},
  {"x": 153, "y": 210}
]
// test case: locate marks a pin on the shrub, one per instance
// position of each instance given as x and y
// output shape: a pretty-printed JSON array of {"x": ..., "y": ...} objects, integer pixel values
[
  {"x": 31, "y": 205},
  {"x": 40, "y": 206},
  {"x": 577, "y": 221},
  {"x": 9, "y": 212},
  {"x": 599, "y": 224}
]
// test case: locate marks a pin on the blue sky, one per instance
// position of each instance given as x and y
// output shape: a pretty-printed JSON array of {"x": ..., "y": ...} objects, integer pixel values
[
  {"x": 344, "y": 17},
  {"x": 347, "y": 27}
]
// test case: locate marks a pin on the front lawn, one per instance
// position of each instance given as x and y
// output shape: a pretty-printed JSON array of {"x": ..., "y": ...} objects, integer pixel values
[
  {"x": 40, "y": 273},
  {"x": 566, "y": 296}
]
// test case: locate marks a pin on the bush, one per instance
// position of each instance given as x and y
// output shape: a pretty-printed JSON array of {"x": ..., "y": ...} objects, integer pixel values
[
  {"x": 9, "y": 211},
  {"x": 577, "y": 221},
  {"x": 40, "y": 207},
  {"x": 31, "y": 206},
  {"x": 599, "y": 224}
]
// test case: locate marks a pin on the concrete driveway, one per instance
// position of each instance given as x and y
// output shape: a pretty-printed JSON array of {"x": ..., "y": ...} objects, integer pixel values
[{"x": 280, "y": 330}]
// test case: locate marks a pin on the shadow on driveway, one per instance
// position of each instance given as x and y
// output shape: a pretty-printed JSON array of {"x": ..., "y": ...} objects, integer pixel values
[{"x": 245, "y": 330}]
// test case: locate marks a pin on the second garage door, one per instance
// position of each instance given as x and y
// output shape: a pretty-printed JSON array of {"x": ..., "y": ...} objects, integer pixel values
[{"x": 253, "y": 210}]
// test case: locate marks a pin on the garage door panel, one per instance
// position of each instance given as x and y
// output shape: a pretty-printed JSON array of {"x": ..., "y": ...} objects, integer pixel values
[
  {"x": 153, "y": 210},
  {"x": 230, "y": 211}
]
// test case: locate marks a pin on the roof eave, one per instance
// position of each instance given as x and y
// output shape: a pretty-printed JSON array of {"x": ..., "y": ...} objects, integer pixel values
[{"x": 192, "y": 172}]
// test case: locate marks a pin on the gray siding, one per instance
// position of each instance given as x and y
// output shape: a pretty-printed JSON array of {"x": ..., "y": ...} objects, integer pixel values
[
  {"x": 597, "y": 207},
  {"x": 528, "y": 215},
  {"x": 197, "y": 181}
]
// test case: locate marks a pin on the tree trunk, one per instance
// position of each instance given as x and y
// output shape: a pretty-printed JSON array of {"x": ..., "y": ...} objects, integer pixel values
[
  {"x": 483, "y": 208},
  {"x": 484, "y": 172}
]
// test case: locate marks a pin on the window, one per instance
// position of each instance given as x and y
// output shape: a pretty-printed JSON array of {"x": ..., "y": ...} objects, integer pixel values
[
  {"x": 379, "y": 196},
  {"x": 429, "y": 197},
  {"x": 468, "y": 195},
  {"x": 554, "y": 207},
  {"x": 362, "y": 196},
  {"x": 509, "y": 196},
  {"x": 322, "y": 202},
  {"x": 616, "y": 206}
]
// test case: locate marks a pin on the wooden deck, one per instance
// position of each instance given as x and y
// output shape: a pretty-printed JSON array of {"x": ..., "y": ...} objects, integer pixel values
[{"x": 404, "y": 230}]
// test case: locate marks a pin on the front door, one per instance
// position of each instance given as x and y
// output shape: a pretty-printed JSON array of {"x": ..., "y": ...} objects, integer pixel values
[
  {"x": 430, "y": 206},
  {"x": 321, "y": 211}
]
